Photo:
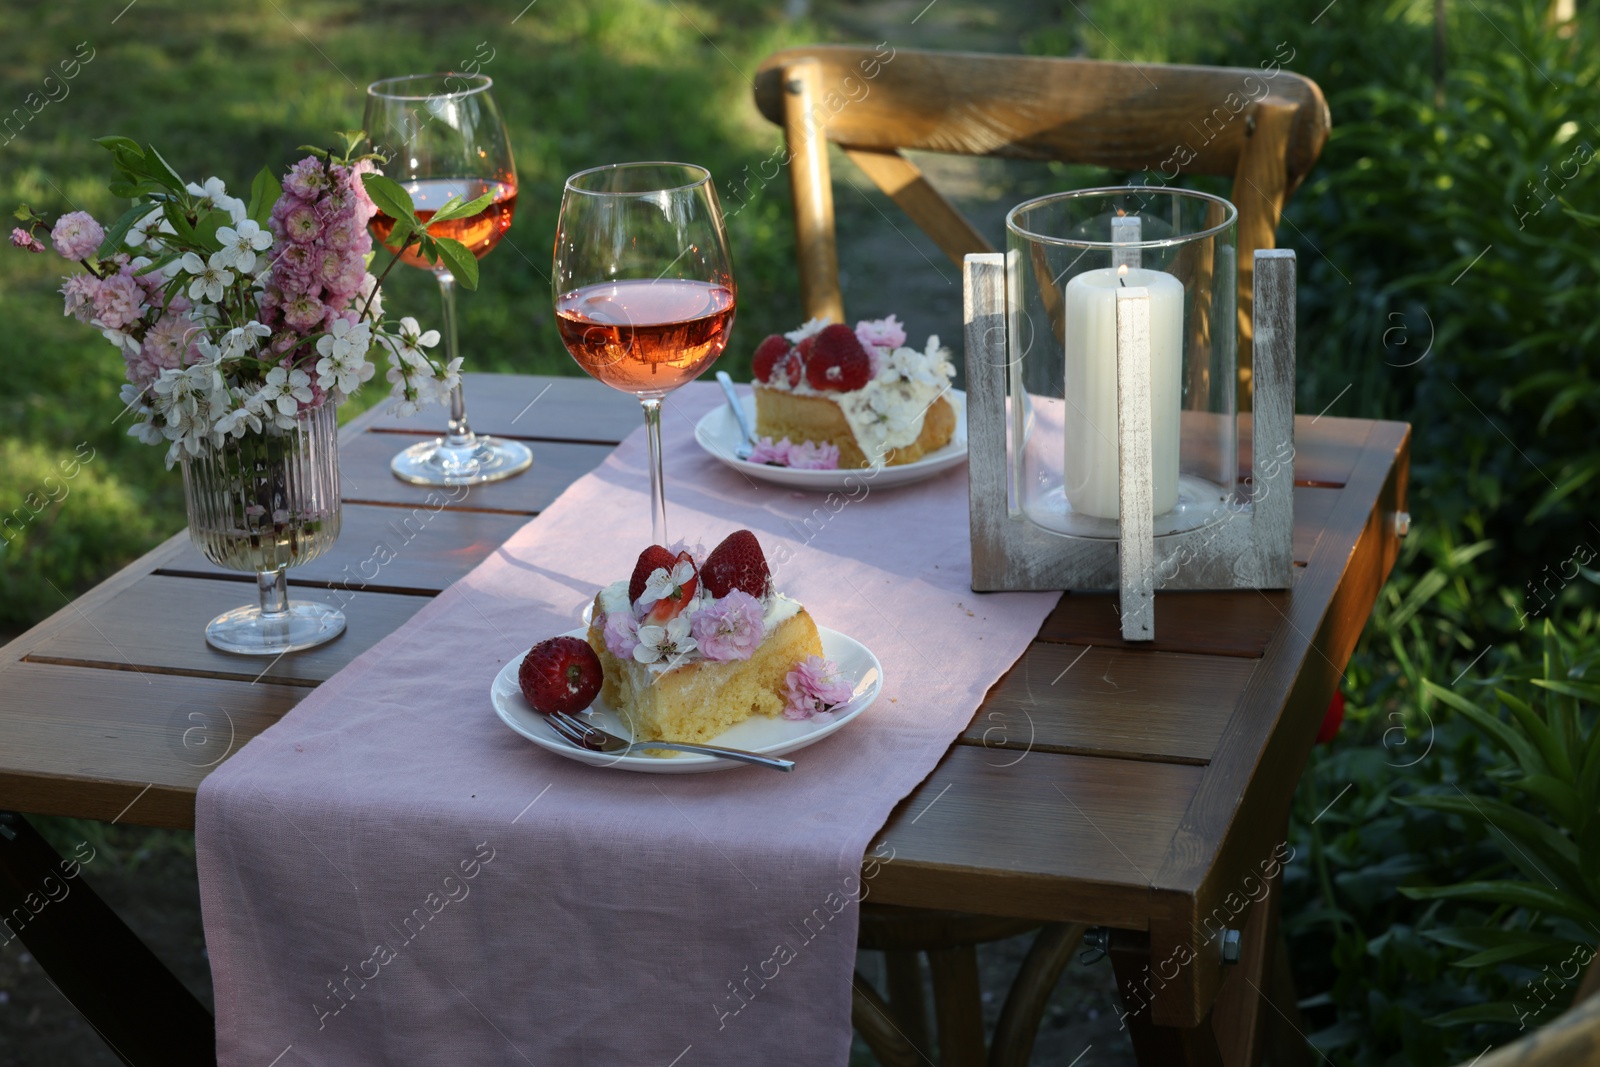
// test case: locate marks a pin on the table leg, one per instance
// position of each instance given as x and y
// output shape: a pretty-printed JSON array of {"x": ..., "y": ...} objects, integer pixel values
[
  {"x": 957, "y": 1005},
  {"x": 137, "y": 1006},
  {"x": 1155, "y": 1046}
]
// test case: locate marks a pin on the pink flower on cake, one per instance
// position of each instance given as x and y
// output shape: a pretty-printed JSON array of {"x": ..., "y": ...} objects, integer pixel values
[
  {"x": 77, "y": 235},
  {"x": 730, "y": 628},
  {"x": 773, "y": 455},
  {"x": 669, "y": 642},
  {"x": 621, "y": 634},
  {"x": 25, "y": 239},
  {"x": 881, "y": 333},
  {"x": 805, "y": 456},
  {"x": 814, "y": 688},
  {"x": 814, "y": 456}
]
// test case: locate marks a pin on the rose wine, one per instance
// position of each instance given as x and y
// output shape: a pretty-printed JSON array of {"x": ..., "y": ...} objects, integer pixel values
[
  {"x": 646, "y": 337},
  {"x": 479, "y": 232}
]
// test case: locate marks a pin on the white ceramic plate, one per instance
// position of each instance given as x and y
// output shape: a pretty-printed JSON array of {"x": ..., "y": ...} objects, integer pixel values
[
  {"x": 768, "y": 736},
  {"x": 718, "y": 433}
]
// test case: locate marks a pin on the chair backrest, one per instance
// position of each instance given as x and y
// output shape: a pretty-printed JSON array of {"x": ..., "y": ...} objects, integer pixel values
[
  {"x": 1570, "y": 1040},
  {"x": 1263, "y": 127}
]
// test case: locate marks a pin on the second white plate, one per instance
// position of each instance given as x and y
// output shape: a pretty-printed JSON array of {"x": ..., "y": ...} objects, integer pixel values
[{"x": 718, "y": 433}]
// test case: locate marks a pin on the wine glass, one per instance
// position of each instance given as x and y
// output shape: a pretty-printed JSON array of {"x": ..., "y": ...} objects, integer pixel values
[
  {"x": 443, "y": 136},
  {"x": 644, "y": 291}
]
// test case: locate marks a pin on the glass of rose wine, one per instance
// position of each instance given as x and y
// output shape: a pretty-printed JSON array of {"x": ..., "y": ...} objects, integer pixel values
[
  {"x": 643, "y": 287},
  {"x": 444, "y": 138}
]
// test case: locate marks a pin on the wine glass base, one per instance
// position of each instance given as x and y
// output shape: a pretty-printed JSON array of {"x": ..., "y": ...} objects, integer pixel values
[
  {"x": 250, "y": 632},
  {"x": 482, "y": 459}
]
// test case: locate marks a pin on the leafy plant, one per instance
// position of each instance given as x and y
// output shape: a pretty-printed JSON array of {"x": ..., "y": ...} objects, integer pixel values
[{"x": 1544, "y": 815}]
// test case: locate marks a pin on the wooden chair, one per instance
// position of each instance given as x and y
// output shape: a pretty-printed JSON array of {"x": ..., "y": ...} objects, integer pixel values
[
  {"x": 1263, "y": 130},
  {"x": 1570, "y": 1040}
]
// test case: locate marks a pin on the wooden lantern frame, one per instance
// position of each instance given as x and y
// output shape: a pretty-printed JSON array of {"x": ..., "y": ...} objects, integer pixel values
[{"x": 1250, "y": 546}]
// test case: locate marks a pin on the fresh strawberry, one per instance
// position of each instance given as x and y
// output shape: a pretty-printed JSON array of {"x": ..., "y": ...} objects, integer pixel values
[
  {"x": 737, "y": 563},
  {"x": 838, "y": 363},
  {"x": 671, "y": 606},
  {"x": 650, "y": 560},
  {"x": 561, "y": 674},
  {"x": 795, "y": 365},
  {"x": 769, "y": 354}
]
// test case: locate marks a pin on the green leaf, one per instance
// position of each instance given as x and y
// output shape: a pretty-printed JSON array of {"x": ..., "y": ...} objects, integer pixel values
[
  {"x": 398, "y": 236},
  {"x": 205, "y": 231},
  {"x": 264, "y": 193},
  {"x": 161, "y": 172},
  {"x": 1588, "y": 691},
  {"x": 119, "y": 230},
  {"x": 125, "y": 144},
  {"x": 1550, "y": 746},
  {"x": 456, "y": 209},
  {"x": 1507, "y": 736},
  {"x": 1516, "y": 894},
  {"x": 1499, "y": 1012},
  {"x": 459, "y": 260},
  {"x": 391, "y": 198}
]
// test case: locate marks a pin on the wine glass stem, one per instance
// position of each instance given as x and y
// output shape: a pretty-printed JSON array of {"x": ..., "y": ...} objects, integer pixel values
[
  {"x": 274, "y": 589},
  {"x": 459, "y": 432},
  {"x": 658, "y": 489}
]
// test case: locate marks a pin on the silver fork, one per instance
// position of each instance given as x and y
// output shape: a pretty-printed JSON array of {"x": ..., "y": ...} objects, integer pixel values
[
  {"x": 584, "y": 735},
  {"x": 748, "y": 431}
]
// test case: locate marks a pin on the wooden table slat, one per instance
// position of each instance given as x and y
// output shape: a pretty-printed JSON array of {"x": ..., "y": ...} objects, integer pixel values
[
  {"x": 365, "y": 477},
  {"x": 1233, "y": 622},
  {"x": 86, "y": 743},
  {"x": 177, "y": 646},
  {"x": 1057, "y": 836},
  {"x": 1121, "y": 703},
  {"x": 383, "y": 549},
  {"x": 550, "y": 409}
]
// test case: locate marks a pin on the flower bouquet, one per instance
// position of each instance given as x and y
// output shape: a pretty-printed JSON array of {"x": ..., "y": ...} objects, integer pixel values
[{"x": 242, "y": 327}]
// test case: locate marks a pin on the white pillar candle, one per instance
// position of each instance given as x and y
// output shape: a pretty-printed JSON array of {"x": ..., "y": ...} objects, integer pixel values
[{"x": 1090, "y": 469}]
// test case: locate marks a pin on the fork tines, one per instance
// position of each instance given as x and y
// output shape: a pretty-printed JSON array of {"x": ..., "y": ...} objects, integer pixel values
[{"x": 576, "y": 731}]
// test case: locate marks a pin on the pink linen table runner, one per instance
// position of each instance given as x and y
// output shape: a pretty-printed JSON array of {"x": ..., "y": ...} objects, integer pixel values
[{"x": 390, "y": 875}]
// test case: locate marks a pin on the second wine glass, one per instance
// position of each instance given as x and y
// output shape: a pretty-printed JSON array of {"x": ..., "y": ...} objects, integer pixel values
[
  {"x": 643, "y": 287},
  {"x": 444, "y": 138}
]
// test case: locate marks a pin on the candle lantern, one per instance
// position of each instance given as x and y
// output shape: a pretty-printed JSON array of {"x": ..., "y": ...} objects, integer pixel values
[{"x": 1102, "y": 402}]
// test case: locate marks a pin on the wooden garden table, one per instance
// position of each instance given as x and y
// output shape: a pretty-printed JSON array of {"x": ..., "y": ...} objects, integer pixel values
[{"x": 1141, "y": 789}]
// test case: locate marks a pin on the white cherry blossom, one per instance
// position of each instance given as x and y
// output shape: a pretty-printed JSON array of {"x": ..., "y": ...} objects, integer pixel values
[
  {"x": 669, "y": 642},
  {"x": 240, "y": 245},
  {"x": 210, "y": 278}
]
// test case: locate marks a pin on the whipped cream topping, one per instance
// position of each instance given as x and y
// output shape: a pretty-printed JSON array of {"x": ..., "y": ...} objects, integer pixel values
[{"x": 887, "y": 412}]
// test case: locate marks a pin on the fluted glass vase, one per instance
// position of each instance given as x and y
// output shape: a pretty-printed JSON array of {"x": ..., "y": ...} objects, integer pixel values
[{"x": 263, "y": 503}]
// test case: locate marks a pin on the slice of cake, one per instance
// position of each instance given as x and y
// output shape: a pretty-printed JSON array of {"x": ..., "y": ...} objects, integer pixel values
[
  {"x": 862, "y": 391},
  {"x": 688, "y": 649}
]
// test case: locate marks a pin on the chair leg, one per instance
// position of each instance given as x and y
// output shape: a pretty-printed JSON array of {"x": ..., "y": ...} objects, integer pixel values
[
  {"x": 1030, "y": 993},
  {"x": 908, "y": 1004},
  {"x": 1285, "y": 1037},
  {"x": 1155, "y": 1046},
  {"x": 869, "y": 1013},
  {"x": 958, "y": 1005}
]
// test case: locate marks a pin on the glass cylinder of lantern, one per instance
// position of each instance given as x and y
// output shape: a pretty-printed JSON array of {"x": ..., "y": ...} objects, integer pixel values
[{"x": 1068, "y": 256}]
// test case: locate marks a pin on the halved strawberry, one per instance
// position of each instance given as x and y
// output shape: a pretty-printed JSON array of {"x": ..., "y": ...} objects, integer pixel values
[
  {"x": 838, "y": 363},
  {"x": 561, "y": 674},
  {"x": 650, "y": 560},
  {"x": 737, "y": 563},
  {"x": 671, "y": 606},
  {"x": 795, "y": 367},
  {"x": 769, "y": 354}
]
